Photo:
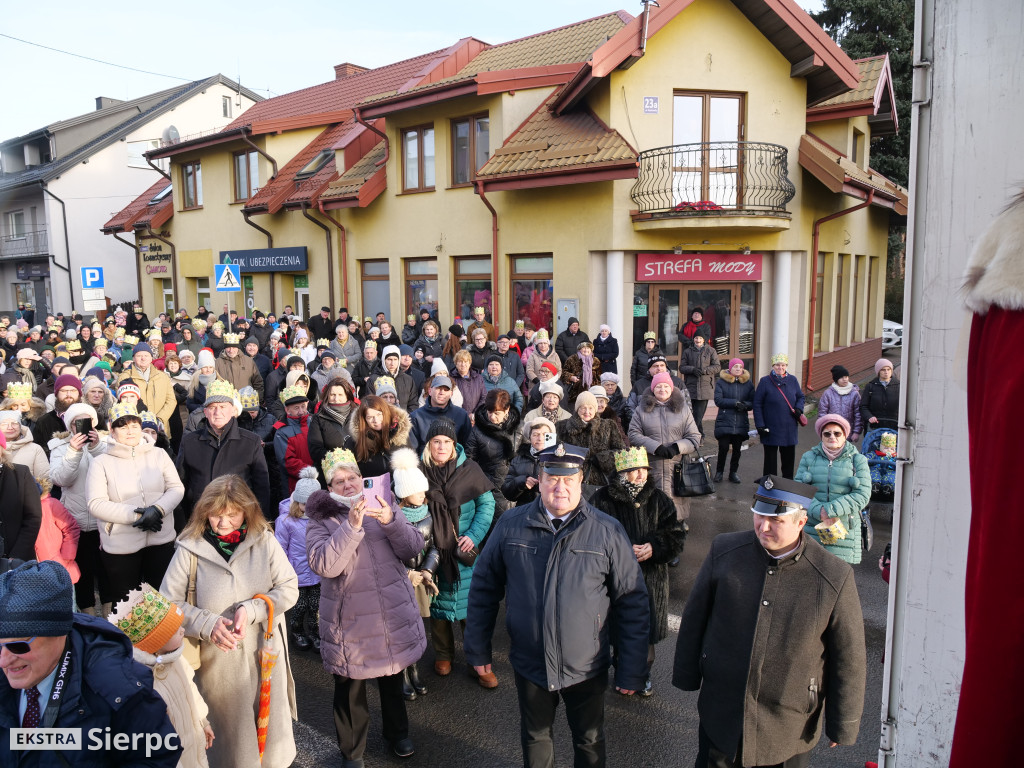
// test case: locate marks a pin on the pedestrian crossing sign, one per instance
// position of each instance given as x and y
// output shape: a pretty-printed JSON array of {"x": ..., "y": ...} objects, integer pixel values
[{"x": 228, "y": 277}]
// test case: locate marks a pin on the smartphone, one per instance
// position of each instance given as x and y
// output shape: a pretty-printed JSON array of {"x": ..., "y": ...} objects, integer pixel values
[
  {"x": 83, "y": 426},
  {"x": 377, "y": 486},
  {"x": 550, "y": 438}
]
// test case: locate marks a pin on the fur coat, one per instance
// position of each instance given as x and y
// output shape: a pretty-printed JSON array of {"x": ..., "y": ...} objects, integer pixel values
[{"x": 601, "y": 438}]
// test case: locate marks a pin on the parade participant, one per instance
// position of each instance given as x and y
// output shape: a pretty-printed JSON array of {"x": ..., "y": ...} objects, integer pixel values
[
  {"x": 157, "y": 389},
  {"x": 369, "y": 624},
  {"x": 760, "y": 591},
  {"x": 468, "y": 382},
  {"x": 480, "y": 321},
  {"x": 376, "y": 429},
  {"x": 227, "y": 554},
  {"x": 778, "y": 411},
  {"x": 479, "y": 349},
  {"x": 439, "y": 406},
  {"x": 20, "y": 509},
  {"x": 238, "y": 368},
  {"x": 537, "y": 354},
  {"x": 696, "y": 325},
  {"x": 606, "y": 350},
  {"x": 561, "y": 628},
  {"x": 656, "y": 363},
  {"x": 19, "y": 444},
  {"x": 492, "y": 443},
  {"x": 495, "y": 377},
  {"x": 64, "y": 669},
  {"x": 329, "y": 426},
  {"x": 511, "y": 361},
  {"x": 67, "y": 390}
]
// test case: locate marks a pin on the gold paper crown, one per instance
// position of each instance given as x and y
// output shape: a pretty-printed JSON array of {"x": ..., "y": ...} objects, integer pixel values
[
  {"x": 370, "y": 344},
  {"x": 541, "y": 335},
  {"x": 149, "y": 417},
  {"x": 131, "y": 341},
  {"x": 220, "y": 388},
  {"x": 119, "y": 332},
  {"x": 199, "y": 324},
  {"x": 74, "y": 345},
  {"x": 478, "y": 309},
  {"x": 148, "y": 618},
  {"x": 120, "y": 410},
  {"x": 231, "y": 338},
  {"x": 219, "y": 324},
  {"x": 250, "y": 400},
  {"x": 294, "y": 351},
  {"x": 384, "y": 381},
  {"x": 19, "y": 390},
  {"x": 154, "y": 333},
  {"x": 53, "y": 329},
  {"x": 323, "y": 343},
  {"x": 102, "y": 341},
  {"x": 650, "y": 335},
  {"x": 631, "y": 458},
  {"x": 336, "y": 457},
  {"x": 292, "y": 393}
]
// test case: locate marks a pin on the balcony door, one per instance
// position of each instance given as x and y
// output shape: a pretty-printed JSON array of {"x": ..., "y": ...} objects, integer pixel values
[{"x": 706, "y": 131}]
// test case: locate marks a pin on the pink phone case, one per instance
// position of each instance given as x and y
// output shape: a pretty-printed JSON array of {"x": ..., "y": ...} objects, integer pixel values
[{"x": 377, "y": 486}]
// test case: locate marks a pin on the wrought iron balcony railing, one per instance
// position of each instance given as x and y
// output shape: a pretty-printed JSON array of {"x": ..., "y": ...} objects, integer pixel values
[
  {"x": 23, "y": 245},
  {"x": 719, "y": 176}
]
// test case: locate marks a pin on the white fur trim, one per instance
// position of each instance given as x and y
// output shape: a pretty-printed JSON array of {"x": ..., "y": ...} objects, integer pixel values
[{"x": 995, "y": 270}]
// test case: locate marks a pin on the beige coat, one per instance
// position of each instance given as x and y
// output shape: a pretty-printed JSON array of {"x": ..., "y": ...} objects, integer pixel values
[
  {"x": 536, "y": 360},
  {"x": 157, "y": 393},
  {"x": 70, "y": 470},
  {"x": 26, "y": 452},
  {"x": 173, "y": 680},
  {"x": 123, "y": 479},
  {"x": 230, "y": 681}
]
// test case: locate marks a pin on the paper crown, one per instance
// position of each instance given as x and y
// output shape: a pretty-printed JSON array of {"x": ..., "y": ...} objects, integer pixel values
[
  {"x": 154, "y": 333},
  {"x": 231, "y": 339},
  {"x": 541, "y": 335},
  {"x": 53, "y": 329},
  {"x": 19, "y": 390},
  {"x": 382, "y": 382},
  {"x": 219, "y": 324},
  {"x": 478, "y": 309},
  {"x": 121, "y": 410},
  {"x": 781, "y": 357},
  {"x": 370, "y": 344},
  {"x": 131, "y": 341},
  {"x": 199, "y": 324},
  {"x": 293, "y": 394},
  {"x": 148, "y": 618},
  {"x": 339, "y": 456},
  {"x": 101, "y": 341},
  {"x": 323, "y": 343},
  {"x": 74, "y": 346},
  {"x": 250, "y": 399},
  {"x": 220, "y": 389},
  {"x": 148, "y": 417},
  {"x": 295, "y": 351},
  {"x": 520, "y": 324},
  {"x": 631, "y": 458},
  {"x": 119, "y": 333},
  {"x": 650, "y": 335}
]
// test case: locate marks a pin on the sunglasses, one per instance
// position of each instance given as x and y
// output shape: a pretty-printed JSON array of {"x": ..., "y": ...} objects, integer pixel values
[
  {"x": 831, "y": 434},
  {"x": 19, "y": 647}
]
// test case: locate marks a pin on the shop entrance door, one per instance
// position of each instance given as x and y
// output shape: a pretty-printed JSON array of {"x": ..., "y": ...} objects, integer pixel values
[{"x": 729, "y": 308}]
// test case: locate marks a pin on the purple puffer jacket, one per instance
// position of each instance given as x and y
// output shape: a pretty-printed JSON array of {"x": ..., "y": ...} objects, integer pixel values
[
  {"x": 370, "y": 625},
  {"x": 847, "y": 406},
  {"x": 291, "y": 535}
]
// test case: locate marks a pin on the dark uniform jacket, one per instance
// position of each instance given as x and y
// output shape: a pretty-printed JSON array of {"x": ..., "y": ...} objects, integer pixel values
[
  {"x": 562, "y": 591},
  {"x": 773, "y": 645}
]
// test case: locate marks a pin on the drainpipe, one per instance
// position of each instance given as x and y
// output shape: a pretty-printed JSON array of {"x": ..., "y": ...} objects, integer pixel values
[
  {"x": 67, "y": 244},
  {"x": 138, "y": 269},
  {"x": 174, "y": 264},
  {"x": 494, "y": 252},
  {"x": 330, "y": 257},
  {"x": 387, "y": 144},
  {"x": 814, "y": 283},
  {"x": 270, "y": 244},
  {"x": 269, "y": 159},
  {"x": 163, "y": 173},
  {"x": 344, "y": 253}
]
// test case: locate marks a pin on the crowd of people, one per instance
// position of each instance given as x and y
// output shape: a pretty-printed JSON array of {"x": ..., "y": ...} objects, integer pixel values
[{"x": 335, "y": 482}]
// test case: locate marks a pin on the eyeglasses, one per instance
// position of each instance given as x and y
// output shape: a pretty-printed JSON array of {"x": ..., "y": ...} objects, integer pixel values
[
  {"x": 831, "y": 434},
  {"x": 19, "y": 647}
]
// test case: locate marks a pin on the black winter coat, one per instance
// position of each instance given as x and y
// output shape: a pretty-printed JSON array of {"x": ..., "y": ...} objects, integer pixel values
[
  {"x": 882, "y": 402},
  {"x": 639, "y": 367},
  {"x": 21, "y": 512},
  {"x": 700, "y": 367},
  {"x": 651, "y": 519},
  {"x": 601, "y": 438},
  {"x": 479, "y": 356},
  {"x": 523, "y": 466},
  {"x": 492, "y": 446},
  {"x": 325, "y": 434},
  {"x": 202, "y": 457},
  {"x": 607, "y": 351},
  {"x": 728, "y": 392},
  {"x": 567, "y": 344}
]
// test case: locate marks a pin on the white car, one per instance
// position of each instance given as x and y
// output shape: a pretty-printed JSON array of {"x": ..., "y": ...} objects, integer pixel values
[{"x": 892, "y": 334}]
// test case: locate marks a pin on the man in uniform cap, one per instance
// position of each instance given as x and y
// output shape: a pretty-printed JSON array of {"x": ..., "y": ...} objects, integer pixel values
[
  {"x": 773, "y": 636},
  {"x": 556, "y": 599}
]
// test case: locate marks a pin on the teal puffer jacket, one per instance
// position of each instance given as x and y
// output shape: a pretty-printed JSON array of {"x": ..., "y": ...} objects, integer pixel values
[{"x": 844, "y": 489}]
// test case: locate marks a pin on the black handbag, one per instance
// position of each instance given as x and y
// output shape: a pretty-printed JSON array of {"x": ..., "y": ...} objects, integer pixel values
[
  {"x": 464, "y": 558},
  {"x": 867, "y": 531},
  {"x": 692, "y": 478}
]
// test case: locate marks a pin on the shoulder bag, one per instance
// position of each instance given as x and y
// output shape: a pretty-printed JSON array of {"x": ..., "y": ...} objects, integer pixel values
[
  {"x": 798, "y": 416},
  {"x": 191, "y": 650},
  {"x": 465, "y": 558},
  {"x": 692, "y": 477}
]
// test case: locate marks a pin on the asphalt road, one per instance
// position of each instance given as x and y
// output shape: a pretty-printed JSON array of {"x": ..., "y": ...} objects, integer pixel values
[{"x": 460, "y": 725}]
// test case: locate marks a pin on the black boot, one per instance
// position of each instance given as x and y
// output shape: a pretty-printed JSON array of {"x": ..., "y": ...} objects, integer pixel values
[
  {"x": 414, "y": 678},
  {"x": 299, "y": 640},
  {"x": 408, "y": 692},
  {"x": 718, "y": 476},
  {"x": 734, "y": 477}
]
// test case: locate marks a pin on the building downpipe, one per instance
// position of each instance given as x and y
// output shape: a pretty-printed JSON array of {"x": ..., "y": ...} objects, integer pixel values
[
  {"x": 138, "y": 269},
  {"x": 494, "y": 253},
  {"x": 270, "y": 244},
  {"x": 67, "y": 245},
  {"x": 344, "y": 255},
  {"x": 174, "y": 264},
  {"x": 330, "y": 258}
]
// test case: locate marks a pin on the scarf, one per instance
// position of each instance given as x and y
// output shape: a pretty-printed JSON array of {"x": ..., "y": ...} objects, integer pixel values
[
  {"x": 832, "y": 455},
  {"x": 633, "y": 489},
  {"x": 551, "y": 416},
  {"x": 338, "y": 413},
  {"x": 205, "y": 379},
  {"x": 228, "y": 543},
  {"x": 415, "y": 514},
  {"x": 588, "y": 369},
  {"x": 450, "y": 486},
  {"x": 843, "y": 390}
]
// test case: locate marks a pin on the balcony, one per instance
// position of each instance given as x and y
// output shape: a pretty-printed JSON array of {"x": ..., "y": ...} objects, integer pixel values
[
  {"x": 25, "y": 245},
  {"x": 721, "y": 185}
]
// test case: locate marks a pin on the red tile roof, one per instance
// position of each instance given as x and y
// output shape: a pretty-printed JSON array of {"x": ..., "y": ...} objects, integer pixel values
[
  {"x": 873, "y": 96},
  {"x": 139, "y": 210},
  {"x": 360, "y": 184},
  {"x": 840, "y": 174}
]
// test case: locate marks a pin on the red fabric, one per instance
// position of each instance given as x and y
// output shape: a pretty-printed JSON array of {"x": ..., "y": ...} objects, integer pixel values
[
  {"x": 297, "y": 456},
  {"x": 989, "y": 713},
  {"x": 58, "y": 537}
]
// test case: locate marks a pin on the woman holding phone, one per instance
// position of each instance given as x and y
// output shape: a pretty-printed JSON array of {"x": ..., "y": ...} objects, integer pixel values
[{"x": 370, "y": 626}]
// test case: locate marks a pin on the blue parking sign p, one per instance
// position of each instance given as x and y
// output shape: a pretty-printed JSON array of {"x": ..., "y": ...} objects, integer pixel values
[{"x": 92, "y": 277}]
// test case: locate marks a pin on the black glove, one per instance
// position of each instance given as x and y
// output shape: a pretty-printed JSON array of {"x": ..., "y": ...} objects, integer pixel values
[
  {"x": 152, "y": 519},
  {"x": 763, "y": 432},
  {"x": 663, "y": 452},
  {"x": 673, "y": 450},
  {"x": 740, "y": 405}
]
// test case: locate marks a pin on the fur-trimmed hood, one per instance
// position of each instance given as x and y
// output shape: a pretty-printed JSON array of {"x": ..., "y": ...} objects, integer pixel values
[
  {"x": 995, "y": 270},
  {"x": 322, "y": 505},
  {"x": 399, "y": 431},
  {"x": 676, "y": 402},
  {"x": 727, "y": 377}
]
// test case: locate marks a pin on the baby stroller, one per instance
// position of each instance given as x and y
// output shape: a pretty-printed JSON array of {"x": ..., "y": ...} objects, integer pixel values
[{"x": 879, "y": 447}]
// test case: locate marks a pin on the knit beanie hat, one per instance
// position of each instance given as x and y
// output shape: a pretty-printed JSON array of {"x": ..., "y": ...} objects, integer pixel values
[
  {"x": 438, "y": 366},
  {"x": 493, "y": 359},
  {"x": 443, "y": 427},
  {"x": 148, "y": 618},
  {"x": 736, "y": 361},
  {"x": 65, "y": 380},
  {"x": 585, "y": 398},
  {"x": 79, "y": 411},
  {"x": 881, "y": 363},
  {"x": 390, "y": 350},
  {"x": 838, "y": 372},
  {"x": 306, "y": 485},
  {"x": 456, "y": 330},
  {"x": 35, "y": 600},
  {"x": 142, "y": 347},
  {"x": 610, "y": 377},
  {"x": 832, "y": 418},
  {"x": 205, "y": 358},
  {"x": 128, "y": 385},
  {"x": 292, "y": 378},
  {"x": 656, "y": 359},
  {"x": 551, "y": 367},
  {"x": 406, "y": 473},
  {"x": 662, "y": 378},
  {"x": 384, "y": 384},
  {"x": 10, "y": 416},
  {"x": 539, "y": 421},
  {"x": 551, "y": 387}
]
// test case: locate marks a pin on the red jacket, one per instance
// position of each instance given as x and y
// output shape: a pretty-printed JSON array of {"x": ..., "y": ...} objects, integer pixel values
[{"x": 58, "y": 537}]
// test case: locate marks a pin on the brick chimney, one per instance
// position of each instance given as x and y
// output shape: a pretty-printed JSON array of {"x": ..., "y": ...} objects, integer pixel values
[{"x": 341, "y": 71}]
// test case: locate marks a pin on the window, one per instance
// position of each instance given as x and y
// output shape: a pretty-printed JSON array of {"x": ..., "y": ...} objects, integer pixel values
[
  {"x": 203, "y": 292},
  {"x": 162, "y": 194},
  {"x": 167, "y": 294},
  {"x": 819, "y": 283},
  {"x": 376, "y": 287},
  {"x": 248, "y": 294},
  {"x": 192, "y": 185},
  {"x": 135, "y": 150},
  {"x": 313, "y": 166},
  {"x": 838, "y": 317},
  {"x": 418, "y": 159},
  {"x": 15, "y": 225},
  {"x": 225, "y": 106},
  {"x": 247, "y": 175},
  {"x": 857, "y": 332},
  {"x": 301, "y": 284},
  {"x": 420, "y": 286},
  {"x": 872, "y": 292},
  {"x": 706, "y": 131},
  {"x": 470, "y": 147},
  {"x": 857, "y": 150},
  {"x": 533, "y": 290},
  {"x": 473, "y": 287}
]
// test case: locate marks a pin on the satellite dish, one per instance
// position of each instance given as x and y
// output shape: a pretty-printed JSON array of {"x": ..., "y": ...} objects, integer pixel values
[{"x": 170, "y": 135}]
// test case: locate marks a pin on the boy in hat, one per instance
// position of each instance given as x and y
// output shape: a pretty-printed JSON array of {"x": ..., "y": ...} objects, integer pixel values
[{"x": 479, "y": 321}]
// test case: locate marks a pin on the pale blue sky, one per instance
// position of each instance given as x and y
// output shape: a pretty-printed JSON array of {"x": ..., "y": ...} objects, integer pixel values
[{"x": 276, "y": 47}]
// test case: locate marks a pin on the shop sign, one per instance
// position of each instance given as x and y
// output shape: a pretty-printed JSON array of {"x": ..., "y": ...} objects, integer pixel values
[
  {"x": 291, "y": 259},
  {"x": 698, "y": 267},
  {"x": 156, "y": 269},
  {"x": 154, "y": 253},
  {"x": 27, "y": 270}
]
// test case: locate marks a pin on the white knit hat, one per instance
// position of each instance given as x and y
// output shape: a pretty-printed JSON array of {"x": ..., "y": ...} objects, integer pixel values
[
  {"x": 205, "y": 358},
  {"x": 306, "y": 485},
  {"x": 438, "y": 366},
  {"x": 405, "y": 471}
]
